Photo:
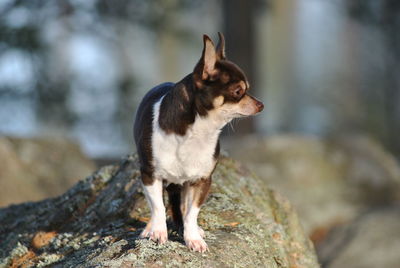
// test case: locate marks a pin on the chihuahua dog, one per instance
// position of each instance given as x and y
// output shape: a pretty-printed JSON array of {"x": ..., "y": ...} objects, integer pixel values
[{"x": 176, "y": 131}]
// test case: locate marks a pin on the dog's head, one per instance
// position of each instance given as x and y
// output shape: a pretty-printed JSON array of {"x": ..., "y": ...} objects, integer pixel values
[{"x": 221, "y": 85}]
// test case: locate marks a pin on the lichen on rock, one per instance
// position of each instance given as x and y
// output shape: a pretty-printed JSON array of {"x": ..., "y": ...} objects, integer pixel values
[{"x": 98, "y": 221}]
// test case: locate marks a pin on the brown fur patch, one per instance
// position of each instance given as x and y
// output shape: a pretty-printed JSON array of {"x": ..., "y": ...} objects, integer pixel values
[
  {"x": 183, "y": 92},
  {"x": 225, "y": 77},
  {"x": 201, "y": 189},
  {"x": 146, "y": 179}
]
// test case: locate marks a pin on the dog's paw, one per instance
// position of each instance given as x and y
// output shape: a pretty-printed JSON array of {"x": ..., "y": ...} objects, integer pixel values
[
  {"x": 157, "y": 235},
  {"x": 197, "y": 245}
]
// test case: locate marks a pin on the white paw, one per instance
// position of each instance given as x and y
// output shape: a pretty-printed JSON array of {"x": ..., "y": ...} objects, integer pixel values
[
  {"x": 159, "y": 235},
  {"x": 197, "y": 245}
]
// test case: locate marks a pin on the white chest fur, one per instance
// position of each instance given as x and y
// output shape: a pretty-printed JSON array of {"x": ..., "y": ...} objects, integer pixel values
[{"x": 185, "y": 158}]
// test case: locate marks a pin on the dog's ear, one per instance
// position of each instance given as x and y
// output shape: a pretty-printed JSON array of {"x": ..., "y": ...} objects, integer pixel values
[
  {"x": 221, "y": 47},
  {"x": 208, "y": 58}
]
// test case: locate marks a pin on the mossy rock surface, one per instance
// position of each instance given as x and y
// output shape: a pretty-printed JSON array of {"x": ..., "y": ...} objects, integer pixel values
[{"x": 97, "y": 223}]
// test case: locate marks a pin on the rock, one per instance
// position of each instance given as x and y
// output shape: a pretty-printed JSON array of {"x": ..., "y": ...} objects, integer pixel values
[
  {"x": 37, "y": 168},
  {"x": 372, "y": 240},
  {"x": 329, "y": 182},
  {"x": 97, "y": 223}
]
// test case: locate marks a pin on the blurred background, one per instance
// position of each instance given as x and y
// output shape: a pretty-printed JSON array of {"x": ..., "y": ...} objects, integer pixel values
[
  {"x": 73, "y": 72},
  {"x": 79, "y": 68}
]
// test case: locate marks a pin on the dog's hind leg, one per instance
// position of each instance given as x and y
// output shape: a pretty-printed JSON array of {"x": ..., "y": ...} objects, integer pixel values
[{"x": 174, "y": 196}]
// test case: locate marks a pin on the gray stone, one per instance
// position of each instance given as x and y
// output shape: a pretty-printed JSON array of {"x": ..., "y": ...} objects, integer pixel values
[{"x": 97, "y": 223}]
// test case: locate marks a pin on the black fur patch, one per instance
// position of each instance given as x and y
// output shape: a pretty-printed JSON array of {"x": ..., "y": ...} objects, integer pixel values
[
  {"x": 174, "y": 196},
  {"x": 176, "y": 109}
]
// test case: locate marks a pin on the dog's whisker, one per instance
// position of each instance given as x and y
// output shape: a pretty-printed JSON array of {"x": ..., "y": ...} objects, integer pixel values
[{"x": 232, "y": 126}]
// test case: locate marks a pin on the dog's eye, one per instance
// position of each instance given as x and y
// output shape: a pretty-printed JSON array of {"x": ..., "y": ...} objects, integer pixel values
[{"x": 238, "y": 92}]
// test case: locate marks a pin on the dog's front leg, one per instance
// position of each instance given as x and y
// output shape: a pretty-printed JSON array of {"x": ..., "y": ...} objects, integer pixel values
[
  {"x": 193, "y": 196},
  {"x": 156, "y": 228}
]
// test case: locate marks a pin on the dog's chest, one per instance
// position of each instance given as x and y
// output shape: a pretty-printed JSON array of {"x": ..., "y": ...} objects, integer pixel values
[{"x": 183, "y": 158}]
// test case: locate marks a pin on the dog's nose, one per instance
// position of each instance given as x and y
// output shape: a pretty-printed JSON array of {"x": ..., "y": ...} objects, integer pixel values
[{"x": 260, "y": 106}]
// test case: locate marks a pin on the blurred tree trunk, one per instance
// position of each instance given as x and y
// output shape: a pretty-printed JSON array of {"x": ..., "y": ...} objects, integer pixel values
[
  {"x": 385, "y": 15},
  {"x": 238, "y": 28}
]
